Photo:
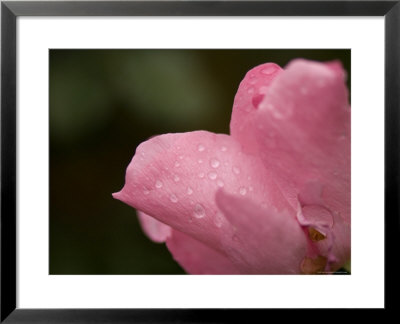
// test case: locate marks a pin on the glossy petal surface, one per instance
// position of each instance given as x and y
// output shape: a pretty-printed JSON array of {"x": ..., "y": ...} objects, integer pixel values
[
  {"x": 265, "y": 240},
  {"x": 274, "y": 197},
  {"x": 175, "y": 177}
]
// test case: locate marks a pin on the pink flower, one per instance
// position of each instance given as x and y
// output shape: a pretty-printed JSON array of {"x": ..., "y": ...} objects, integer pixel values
[{"x": 271, "y": 198}]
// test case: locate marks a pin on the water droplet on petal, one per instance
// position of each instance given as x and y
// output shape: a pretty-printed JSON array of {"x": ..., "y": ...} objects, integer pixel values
[
  {"x": 176, "y": 178},
  {"x": 201, "y": 175},
  {"x": 177, "y": 164},
  {"x": 220, "y": 183},
  {"x": 212, "y": 175},
  {"x": 242, "y": 191},
  {"x": 159, "y": 184},
  {"x": 189, "y": 191},
  {"x": 146, "y": 191},
  {"x": 223, "y": 148},
  {"x": 201, "y": 148},
  {"x": 214, "y": 163},
  {"x": 173, "y": 198},
  {"x": 200, "y": 161},
  {"x": 269, "y": 70},
  {"x": 180, "y": 157},
  {"x": 236, "y": 170},
  {"x": 218, "y": 219},
  {"x": 199, "y": 211}
]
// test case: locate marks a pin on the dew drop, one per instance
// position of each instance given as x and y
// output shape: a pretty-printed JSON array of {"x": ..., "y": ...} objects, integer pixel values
[
  {"x": 236, "y": 170},
  {"x": 220, "y": 183},
  {"x": 201, "y": 148},
  {"x": 176, "y": 178},
  {"x": 199, "y": 211},
  {"x": 243, "y": 191},
  {"x": 223, "y": 148},
  {"x": 200, "y": 161},
  {"x": 146, "y": 191},
  {"x": 159, "y": 184},
  {"x": 177, "y": 164},
  {"x": 189, "y": 191},
  {"x": 173, "y": 198},
  {"x": 214, "y": 163},
  {"x": 269, "y": 70},
  {"x": 201, "y": 175},
  {"x": 180, "y": 157},
  {"x": 218, "y": 219},
  {"x": 212, "y": 175}
]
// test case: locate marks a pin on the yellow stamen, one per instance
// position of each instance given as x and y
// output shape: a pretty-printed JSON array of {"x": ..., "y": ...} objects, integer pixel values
[
  {"x": 313, "y": 266},
  {"x": 315, "y": 235}
]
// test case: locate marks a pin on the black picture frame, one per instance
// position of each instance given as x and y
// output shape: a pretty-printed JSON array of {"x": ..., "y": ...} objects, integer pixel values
[{"x": 10, "y": 10}]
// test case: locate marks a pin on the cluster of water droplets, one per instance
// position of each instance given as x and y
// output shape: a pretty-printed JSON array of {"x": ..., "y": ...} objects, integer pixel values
[{"x": 212, "y": 174}]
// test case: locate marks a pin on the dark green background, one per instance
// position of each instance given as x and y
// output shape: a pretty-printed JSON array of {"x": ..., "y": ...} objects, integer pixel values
[{"x": 103, "y": 103}]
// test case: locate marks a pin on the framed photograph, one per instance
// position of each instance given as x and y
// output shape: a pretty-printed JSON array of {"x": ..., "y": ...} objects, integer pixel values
[{"x": 196, "y": 160}]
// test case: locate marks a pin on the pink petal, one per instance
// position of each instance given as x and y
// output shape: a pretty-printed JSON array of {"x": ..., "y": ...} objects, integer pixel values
[
  {"x": 155, "y": 230},
  {"x": 265, "y": 240},
  {"x": 303, "y": 130},
  {"x": 196, "y": 257},
  {"x": 306, "y": 130},
  {"x": 175, "y": 177},
  {"x": 250, "y": 94}
]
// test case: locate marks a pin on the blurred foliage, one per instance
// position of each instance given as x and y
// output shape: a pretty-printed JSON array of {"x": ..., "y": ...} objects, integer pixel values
[{"x": 103, "y": 103}]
